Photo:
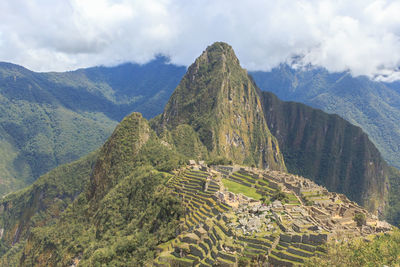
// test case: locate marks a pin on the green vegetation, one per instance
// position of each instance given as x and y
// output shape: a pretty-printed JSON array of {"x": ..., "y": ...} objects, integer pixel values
[
  {"x": 369, "y": 104},
  {"x": 219, "y": 161},
  {"x": 381, "y": 250},
  {"x": 36, "y": 137},
  {"x": 265, "y": 200},
  {"x": 119, "y": 218},
  {"x": 65, "y": 115},
  {"x": 360, "y": 219},
  {"x": 205, "y": 228},
  {"x": 392, "y": 212},
  {"x": 281, "y": 196},
  {"x": 214, "y": 82},
  {"x": 116, "y": 206},
  {"x": 242, "y": 189},
  {"x": 48, "y": 119},
  {"x": 40, "y": 203},
  {"x": 243, "y": 262},
  {"x": 328, "y": 150},
  {"x": 132, "y": 218},
  {"x": 163, "y": 158},
  {"x": 187, "y": 142},
  {"x": 52, "y": 118},
  {"x": 307, "y": 201}
]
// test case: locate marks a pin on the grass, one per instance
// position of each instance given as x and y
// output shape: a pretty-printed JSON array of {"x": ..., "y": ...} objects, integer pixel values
[
  {"x": 243, "y": 176},
  {"x": 237, "y": 188},
  {"x": 293, "y": 199}
]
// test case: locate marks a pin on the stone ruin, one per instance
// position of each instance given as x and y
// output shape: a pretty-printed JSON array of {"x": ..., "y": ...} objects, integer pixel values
[
  {"x": 329, "y": 211},
  {"x": 221, "y": 226},
  {"x": 199, "y": 166}
]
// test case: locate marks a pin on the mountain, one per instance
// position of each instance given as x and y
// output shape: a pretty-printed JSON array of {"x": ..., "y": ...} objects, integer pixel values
[
  {"x": 222, "y": 103},
  {"x": 233, "y": 118},
  {"x": 42, "y": 201},
  {"x": 330, "y": 151},
  {"x": 372, "y": 105},
  {"x": 53, "y": 118},
  {"x": 135, "y": 202},
  {"x": 138, "y": 221},
  {"x": 48, "y": 119},
  {"x": 120, "y": 205},
  {"x": 125, "y": 208}
]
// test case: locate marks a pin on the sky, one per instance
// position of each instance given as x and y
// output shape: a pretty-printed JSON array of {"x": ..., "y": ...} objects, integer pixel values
[{"x": 360, "y": 36}]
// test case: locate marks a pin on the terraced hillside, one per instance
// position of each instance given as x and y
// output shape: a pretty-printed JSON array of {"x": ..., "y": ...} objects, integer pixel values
[{"x": 224, "y": 225}]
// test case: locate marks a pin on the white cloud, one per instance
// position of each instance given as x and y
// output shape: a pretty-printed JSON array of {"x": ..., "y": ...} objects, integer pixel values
[{"x": 362, "y": 36}]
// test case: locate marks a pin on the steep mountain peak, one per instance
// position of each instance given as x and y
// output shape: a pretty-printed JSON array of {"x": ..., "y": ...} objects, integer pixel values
[
  {"x": 222, "y": 104},
  {"x": 211, "y": 72},
  {"x": 221, "y": 47},
  {"x": 218, "y": 52},
  {"x": 120, "y": 150}
]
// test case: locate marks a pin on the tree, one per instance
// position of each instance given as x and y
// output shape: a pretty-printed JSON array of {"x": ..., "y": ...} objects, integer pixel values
[
  {"x": 360, "y": 219},
  {"x": 281, "y": 196},
  {"x": 243, "y": 262}
]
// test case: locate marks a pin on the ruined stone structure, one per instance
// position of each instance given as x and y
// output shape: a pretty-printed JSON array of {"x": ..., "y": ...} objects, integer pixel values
[{"x": 221, "y": 226}]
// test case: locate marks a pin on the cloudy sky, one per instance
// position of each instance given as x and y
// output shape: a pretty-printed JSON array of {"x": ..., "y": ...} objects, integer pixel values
[{"x": 362, "y": 36}]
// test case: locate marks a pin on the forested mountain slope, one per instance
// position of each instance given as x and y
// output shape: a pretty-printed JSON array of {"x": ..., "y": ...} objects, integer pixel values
[
  {"x": 329, "y": 150},
  {"x": 47, "y": 119},
  {"x": 374, "y": 106}
]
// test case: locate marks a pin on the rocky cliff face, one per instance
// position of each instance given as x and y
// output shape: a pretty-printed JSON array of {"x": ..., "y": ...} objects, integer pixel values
[
  {"x": 222, "y": 104},
  {"x": 329, "y": 150},
  {"x": 372, "y": 105}
]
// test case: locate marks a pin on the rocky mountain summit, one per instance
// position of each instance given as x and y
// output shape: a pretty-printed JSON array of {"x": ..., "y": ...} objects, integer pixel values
[{"x": 220, "y": 101}]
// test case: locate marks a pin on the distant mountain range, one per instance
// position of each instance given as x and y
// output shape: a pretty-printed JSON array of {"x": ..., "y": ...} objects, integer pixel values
[
  {"x": 48, "y": 119},
  {"x": 374, "y": 106}
]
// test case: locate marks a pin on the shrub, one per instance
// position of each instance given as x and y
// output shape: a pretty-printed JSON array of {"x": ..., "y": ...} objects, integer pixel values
[
  {"x": 360, "y": 219},
  {"x": 243, "y": 262},
  {"x": 219, "y": 161},
  {"x": 281, "y": 196}
]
